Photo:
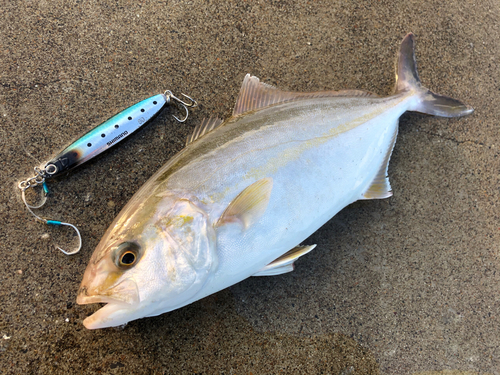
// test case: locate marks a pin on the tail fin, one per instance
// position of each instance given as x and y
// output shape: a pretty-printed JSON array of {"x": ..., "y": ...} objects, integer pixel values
[{"x": 428, "y": 102}]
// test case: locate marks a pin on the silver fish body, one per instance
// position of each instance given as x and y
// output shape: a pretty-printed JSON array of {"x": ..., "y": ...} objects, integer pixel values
[{"x": 244, "y": 193}]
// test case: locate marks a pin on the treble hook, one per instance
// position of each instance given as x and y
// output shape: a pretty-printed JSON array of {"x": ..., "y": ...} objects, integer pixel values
[
  {"x": 185, "y": 105},
  {"x": 52, "y": 222}
]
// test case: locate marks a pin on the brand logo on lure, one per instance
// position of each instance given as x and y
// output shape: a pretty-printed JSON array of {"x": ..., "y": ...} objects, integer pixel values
[{"x": 118, "y": 137}]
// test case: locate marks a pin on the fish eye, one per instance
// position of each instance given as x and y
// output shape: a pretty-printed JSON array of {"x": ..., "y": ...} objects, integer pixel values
[{"x": 127, "y": 254}]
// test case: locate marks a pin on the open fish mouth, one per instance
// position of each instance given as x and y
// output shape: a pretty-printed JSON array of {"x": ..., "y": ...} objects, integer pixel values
[
  {"x": 119, "y": 300},
  {"x": 101, "y": 318}
]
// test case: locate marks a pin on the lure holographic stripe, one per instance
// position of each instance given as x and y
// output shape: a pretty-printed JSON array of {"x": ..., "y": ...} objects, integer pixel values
[{"x": 104, "y": 136}]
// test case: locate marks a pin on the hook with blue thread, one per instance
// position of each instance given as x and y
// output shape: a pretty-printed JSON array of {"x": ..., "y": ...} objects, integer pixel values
[{"x": 50, "y": 221}]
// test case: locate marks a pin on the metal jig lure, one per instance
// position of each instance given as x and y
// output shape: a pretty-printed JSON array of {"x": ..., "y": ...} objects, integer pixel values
[{"x": 96, "y": 141}]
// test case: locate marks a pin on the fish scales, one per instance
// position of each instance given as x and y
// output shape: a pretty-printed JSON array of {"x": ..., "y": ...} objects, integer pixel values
[{"x": 294, "y": 144}]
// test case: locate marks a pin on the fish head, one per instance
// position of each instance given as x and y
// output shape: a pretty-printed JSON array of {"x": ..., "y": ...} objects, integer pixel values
[{"x": 154, "y": 258}]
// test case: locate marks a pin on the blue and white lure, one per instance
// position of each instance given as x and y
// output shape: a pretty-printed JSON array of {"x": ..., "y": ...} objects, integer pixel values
[{"x": 96, "y": 141}]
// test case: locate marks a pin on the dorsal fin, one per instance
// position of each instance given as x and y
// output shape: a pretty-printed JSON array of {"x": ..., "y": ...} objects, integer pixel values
[
  {"x": 255, "y": 95},
  {"x": 206, "y": 125}
]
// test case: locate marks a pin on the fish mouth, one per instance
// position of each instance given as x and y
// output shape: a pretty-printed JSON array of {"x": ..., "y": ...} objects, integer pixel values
[
  {"x": 120, "y": 301},
  {"x": 101, "y": 318}
]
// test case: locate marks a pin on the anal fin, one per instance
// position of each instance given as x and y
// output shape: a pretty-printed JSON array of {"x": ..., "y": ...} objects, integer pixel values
[
  {"x": 381, "y": 187},
  {"x": 284, "y": 263}
]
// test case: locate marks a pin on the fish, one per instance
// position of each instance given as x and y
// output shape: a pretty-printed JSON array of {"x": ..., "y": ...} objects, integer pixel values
[{"x": 244, "y": 193}]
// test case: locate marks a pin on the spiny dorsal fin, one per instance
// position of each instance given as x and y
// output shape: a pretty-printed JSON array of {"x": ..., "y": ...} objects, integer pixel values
[
  {"x": 255, "y": 94},
  {"x": 284, "y": 263},
  {"x": 206, "y": 125},
  {"x": 249, "y": 205},
  {"x": 381, "y": 187}
]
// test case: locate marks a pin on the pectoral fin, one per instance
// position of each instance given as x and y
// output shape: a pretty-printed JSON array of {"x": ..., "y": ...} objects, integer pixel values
[
  {"x": 284, "y": 263},
  {"x": 249, "y": 205}
]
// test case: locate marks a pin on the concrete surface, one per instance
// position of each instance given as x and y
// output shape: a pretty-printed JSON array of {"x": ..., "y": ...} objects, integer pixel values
[{"x": 407, "y": 285}]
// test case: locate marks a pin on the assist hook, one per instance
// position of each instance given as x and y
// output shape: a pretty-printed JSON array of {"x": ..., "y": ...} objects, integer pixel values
[
  {"x": 39, "y": 179},
  {"x": 185, "y": 105}
]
